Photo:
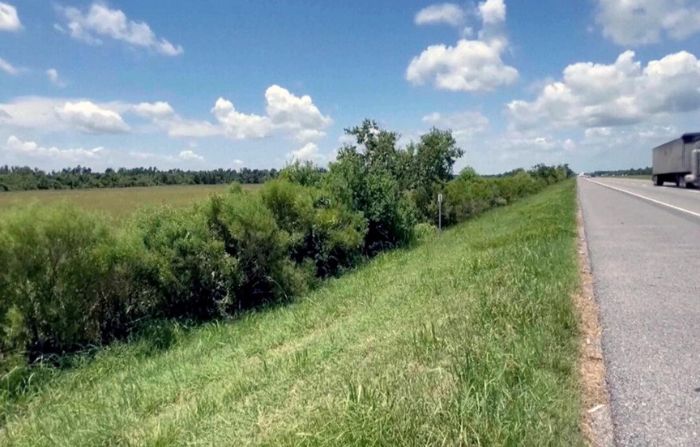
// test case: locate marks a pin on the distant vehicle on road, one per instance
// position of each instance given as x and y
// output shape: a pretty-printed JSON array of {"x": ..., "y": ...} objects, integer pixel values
[{"x": 678, "y": 161}]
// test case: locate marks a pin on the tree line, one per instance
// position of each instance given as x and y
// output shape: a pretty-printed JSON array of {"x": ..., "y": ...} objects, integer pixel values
[
  {"x": 623, "y": 172},
  {"x": 70, "y": 279},
  {"x": 21, "y": 178}
]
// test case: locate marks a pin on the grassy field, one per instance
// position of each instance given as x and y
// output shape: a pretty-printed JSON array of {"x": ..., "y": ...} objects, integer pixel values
[
  {"x": 466, "y": 339},
  {"x": 116, "y": 202}
]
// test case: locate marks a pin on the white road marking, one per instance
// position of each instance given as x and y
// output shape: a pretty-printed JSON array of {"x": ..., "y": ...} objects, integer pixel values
[{"x": 658, "y": 202}]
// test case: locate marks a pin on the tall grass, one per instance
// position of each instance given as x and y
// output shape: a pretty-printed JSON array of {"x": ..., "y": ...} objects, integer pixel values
[{"x": 466, "y": 339}]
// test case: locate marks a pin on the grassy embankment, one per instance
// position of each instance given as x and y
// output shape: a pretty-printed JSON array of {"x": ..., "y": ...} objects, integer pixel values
[
  {"x": 116, "y": 202},
  {"x": 467, "y": 339}
]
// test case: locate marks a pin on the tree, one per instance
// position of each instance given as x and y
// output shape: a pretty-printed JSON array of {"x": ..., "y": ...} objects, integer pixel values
[{"x": 434, "y": 158}]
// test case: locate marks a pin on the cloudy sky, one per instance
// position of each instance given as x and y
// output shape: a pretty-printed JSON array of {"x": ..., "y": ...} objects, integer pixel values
[{"x": 593, "y": 83}]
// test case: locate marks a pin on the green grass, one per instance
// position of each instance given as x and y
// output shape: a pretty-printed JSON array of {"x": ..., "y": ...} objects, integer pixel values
[
  {"x": 116, "y": 202},
  {"x": 466, "y": 339}
]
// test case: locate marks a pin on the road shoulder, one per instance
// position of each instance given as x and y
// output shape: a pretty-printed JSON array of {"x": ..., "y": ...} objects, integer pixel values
[{"x": 596, "y": 420}]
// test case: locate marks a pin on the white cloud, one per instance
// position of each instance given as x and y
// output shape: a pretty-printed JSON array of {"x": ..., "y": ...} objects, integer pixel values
[
  {"x": 154, "y": 110},
  {"x": 469, "y": 66},
  {"x": 189, "y": 155},
  {"x": 54, "y": 77},
  {"x": 240, "y": 126},
  {"x": 184, "y": 158},
  {"x": 286, "y": 114},
  {"x": 51, "y": 115},
  {"x": 622, "y": 93},
  {"x": 447, "y": 13},
  {"x": 463, "y": 125},
  {"x": 295, "y": 113},
  {"x": 32, "y": 113},
  {"x": 9, "y": 20},
  {"x": 8, "y": 67},
  {"x": 492, "y": 11},
  {"x": 32, "y": 149},
  {"x": 89, "y": 117},
  {"x": 99, "y": 21},
  {"x": 308, "y": 152},
  {"x": 639, "y": 22}
]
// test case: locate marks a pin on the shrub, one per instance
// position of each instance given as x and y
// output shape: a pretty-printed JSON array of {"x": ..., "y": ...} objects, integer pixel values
[
  {"x": 375, "y": 193},
  {"x": 466, "y": 197},
  {"x": 305, "y": 174},
  {"x": 250, "y": 234},
  {"x": 321, "y": 229},
  {"x": 517, "y": 186},
  {"x": 424, "y": 232},
  {"x": 57, "y": 275},
  {"x": 185, "y": 270}
]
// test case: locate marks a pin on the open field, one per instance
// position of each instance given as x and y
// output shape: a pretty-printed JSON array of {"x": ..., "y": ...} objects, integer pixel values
[
  {"x": 469, "y": 338},
  {"x": 116, "y": 202}
]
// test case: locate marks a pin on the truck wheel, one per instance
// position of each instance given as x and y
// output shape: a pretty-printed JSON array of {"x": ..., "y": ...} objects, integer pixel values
[
  {"x": 681, "y": 182},
  {"x": 657, "y": 180},
  {"x": 678, "y": 181}
]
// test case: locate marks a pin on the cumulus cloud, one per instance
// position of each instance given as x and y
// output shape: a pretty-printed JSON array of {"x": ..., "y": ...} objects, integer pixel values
[
  {"x": 492, "y": 11},
  {"x": 55, "y": 78},
  {"x": 189, "y": 155},
  {"x": 523, "y": 151},
  {"x": 154, "y": 110},
  {"x": 99, "y": 21},
  {"x": 89, "y": 117},
  {"x": 240, "y": 126},
  {"x": 32, "y": 149},
  {"x": 164, "y": 160},
  {"x": 639, "y": 22},
  {"x": 599, "y": 95},
  {"x": 9, "y": 20},
  {"x": 8, "y": 67},
  {"x": 295, "y": 113},
  {"x": 286, "y": 114},
  {"x": 43, "y": 114},
  {"x": 471, "y": 65},
  {"x": 308, "y": 152},
  {"x": 463, "y": 125},
  {"x": 442, "y": 13}
]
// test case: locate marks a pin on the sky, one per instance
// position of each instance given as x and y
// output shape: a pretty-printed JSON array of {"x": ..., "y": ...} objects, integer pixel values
[{"x": 261, "y": 83}]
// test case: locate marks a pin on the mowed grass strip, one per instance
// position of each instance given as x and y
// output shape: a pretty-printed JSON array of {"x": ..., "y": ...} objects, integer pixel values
[
  {"x": 467, "y": 339},
  {"x": 117, "y": 203}
]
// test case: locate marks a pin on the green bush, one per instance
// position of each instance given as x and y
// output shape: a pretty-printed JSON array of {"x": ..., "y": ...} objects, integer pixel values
[
  {"x": 375, "y": 193},
  {"x": 519, "y": 185},
  {"x": 305, "y": 174},
  {"x": 58, "y": 280},
  {"x": 466, "y": 197},
  {"x": 185, "y": 270},
  {"x": 320, "y": 228},
  {"x": 424, "y": 232},
  {"x": 249, "y": 233}
]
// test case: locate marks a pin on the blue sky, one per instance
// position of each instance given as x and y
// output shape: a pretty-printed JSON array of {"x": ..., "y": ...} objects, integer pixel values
[{"x": 593, "y": 83}]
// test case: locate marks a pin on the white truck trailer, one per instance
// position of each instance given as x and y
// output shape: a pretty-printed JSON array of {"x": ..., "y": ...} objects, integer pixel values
[{"x": 678, "y": 162}]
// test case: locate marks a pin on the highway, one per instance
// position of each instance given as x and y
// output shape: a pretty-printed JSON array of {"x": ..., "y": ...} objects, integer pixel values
[{"x": 644, "y": 245}]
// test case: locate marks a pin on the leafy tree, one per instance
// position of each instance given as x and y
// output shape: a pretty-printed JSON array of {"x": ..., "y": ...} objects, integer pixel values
[{"x": 433, "y": 160}]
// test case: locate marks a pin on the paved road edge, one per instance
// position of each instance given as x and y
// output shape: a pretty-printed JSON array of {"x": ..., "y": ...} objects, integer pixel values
[
  {"x": 648, "y": 199},
  {"x": 596, "y": 419}
]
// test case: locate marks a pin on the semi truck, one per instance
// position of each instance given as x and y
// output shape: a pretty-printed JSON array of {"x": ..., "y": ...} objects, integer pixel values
[{"x": 678, "y": 162}]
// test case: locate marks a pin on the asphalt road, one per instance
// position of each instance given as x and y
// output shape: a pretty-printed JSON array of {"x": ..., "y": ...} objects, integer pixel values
[{"x": 645, "y": 257}]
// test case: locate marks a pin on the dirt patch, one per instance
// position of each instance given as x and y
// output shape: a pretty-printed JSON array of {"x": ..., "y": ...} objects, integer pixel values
[{"x": 596, "y": 422}]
